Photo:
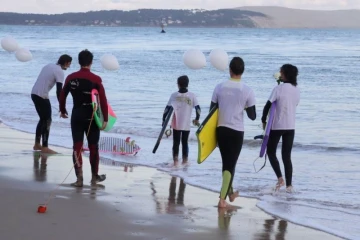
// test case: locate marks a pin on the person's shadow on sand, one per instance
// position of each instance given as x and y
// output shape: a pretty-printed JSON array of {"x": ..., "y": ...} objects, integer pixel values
[
  {"x": 174, "y": 200},
  {"x": 40, "y": 166},
  {"x": 269, "y": 230}
]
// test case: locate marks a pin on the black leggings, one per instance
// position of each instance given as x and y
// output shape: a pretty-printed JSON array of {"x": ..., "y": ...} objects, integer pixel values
[
  {"x": 79, "y": 127},
  {"x": 230, "y": 143},
  {"x": 287, "y": 143},
  {"x": 43, "y": 109},
  {"x": 184, "y": 136}
]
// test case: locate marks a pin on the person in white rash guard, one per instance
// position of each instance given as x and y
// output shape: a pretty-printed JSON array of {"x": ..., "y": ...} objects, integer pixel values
[
  {"x": 182, "y": 102},
  {"x": 287, "y": 97},
  {"x": 50, "y": 75},
  {"x": 232, "y": 97}
]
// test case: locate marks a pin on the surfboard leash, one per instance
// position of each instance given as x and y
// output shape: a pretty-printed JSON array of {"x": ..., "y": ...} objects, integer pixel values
[
  {"x": 262, "y": 166},
  {"x": 168, "y": 132},
  {"x": 259, "y": 157},
  {"x": 43, "y": 207}
]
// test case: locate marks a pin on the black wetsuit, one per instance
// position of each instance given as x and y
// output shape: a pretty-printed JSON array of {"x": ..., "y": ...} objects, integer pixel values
[
  {"x": 80, "y": 85},
  {"x": 183, "y": 136},
  {"x": 43, "y": 109},
  {"x": 230, "y": 143},
  {"x": 287, "y": 144}
]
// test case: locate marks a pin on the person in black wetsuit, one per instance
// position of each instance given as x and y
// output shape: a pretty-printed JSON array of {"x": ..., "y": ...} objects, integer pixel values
[
  {"x": 232, "y": 97},
  {"x": 50, "y": 74},
  {"x": 287, "y": 97},
  {"x": 80, "y": 85}
]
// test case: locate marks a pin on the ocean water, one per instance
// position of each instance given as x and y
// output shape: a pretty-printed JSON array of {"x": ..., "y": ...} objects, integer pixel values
[{"x": 326, "y": 151}]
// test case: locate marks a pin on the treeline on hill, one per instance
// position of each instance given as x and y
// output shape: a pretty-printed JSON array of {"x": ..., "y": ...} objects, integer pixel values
[{"x": 141, "y": 17}]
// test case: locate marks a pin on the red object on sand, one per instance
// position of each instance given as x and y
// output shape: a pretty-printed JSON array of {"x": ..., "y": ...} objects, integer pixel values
[{"x": 41, "y": 209}]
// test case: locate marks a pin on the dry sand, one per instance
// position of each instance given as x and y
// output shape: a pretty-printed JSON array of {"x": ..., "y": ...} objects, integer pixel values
[
  {"x": 133, "y": 203},
  {"x": 280, "y": 17}
]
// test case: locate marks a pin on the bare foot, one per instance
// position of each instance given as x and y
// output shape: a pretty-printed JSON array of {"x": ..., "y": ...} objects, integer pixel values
[
  {"x": 37, "y": 147},
  {"x": 222, "y": 203},
  {"x": 289, "y": 189},
  {"x": 233, "y": 196},
  {"x": 47, "y": 150},
  {"x": 279, "y": 184}
]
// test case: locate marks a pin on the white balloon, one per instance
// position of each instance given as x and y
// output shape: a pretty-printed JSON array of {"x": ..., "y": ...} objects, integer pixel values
[
  {"x": 194, "y": 59},
  {"x": 109, "y": 62},
  {"x": 23, "y": 55},
  {"x": 219, "y": 59},
  {"x": 9, "y": 44}
]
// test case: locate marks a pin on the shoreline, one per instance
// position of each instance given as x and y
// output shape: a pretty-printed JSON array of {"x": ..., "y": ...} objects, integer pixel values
[{"x": 247, "y": 206}]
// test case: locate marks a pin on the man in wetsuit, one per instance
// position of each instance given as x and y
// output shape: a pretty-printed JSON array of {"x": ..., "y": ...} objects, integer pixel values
[
  {"x": 50, "y": 74},
  {"x": 80, "y": 85}
]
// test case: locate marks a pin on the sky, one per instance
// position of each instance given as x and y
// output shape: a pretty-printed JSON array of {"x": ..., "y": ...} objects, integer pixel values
[{"x": 61, "y": 6}]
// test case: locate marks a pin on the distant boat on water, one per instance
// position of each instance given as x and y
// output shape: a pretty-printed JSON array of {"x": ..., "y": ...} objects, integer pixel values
[{"x": 162, "y": 28}]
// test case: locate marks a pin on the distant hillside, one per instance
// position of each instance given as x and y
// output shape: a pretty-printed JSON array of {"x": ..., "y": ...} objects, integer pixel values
[
  {"x": 141, "y": 17},
  {"x": 244, "y": 17},
  {"x": 279, "y": 17}
]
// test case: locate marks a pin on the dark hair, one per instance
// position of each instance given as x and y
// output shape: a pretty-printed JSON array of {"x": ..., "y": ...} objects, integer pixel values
[
  {"x": 290, "y": 73},
  {"x": 183, "y": 81},
  {"x": 237, "y": 66},
  {"x": 85, "y": 58},
  {"x": 64, "y": 59}
]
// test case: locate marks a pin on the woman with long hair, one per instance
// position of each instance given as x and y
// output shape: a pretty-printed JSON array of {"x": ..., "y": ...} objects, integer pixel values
[{"x": 287, "y": 97}]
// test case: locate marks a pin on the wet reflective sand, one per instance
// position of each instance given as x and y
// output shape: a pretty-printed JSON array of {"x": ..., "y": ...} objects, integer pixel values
[{"x": 133, "y": 203}]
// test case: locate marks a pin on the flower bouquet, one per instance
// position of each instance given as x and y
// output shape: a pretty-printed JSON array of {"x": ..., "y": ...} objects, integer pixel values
[{"x": 277, "y": 77}]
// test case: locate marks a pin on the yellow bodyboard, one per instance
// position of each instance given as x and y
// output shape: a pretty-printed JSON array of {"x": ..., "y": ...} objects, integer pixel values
[{"x": 206, "y": 135}]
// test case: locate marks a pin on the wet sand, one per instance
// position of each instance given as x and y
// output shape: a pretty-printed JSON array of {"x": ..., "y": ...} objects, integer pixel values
[{"x": 133, "y": 203}]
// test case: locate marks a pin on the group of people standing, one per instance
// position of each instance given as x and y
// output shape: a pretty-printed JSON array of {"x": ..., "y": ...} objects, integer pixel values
[
  {"x": 80, "y": 85},
  {"x": 232, "y": 97}
]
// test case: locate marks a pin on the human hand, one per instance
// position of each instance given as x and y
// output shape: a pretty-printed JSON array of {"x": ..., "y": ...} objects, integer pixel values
[
  {"x": 64, "y": 112},
  {"x": 196, "y": 122},
  {"x": 103, "y": 126},
  {"x": 63, "y": 115}
]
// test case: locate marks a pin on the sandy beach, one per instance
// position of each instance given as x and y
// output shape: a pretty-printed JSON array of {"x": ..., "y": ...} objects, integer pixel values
[{"x": 133, "y": 203}]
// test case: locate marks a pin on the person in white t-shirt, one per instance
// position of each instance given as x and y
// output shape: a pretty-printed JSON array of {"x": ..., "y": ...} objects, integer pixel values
[
  {"x": 287, "y": 97},
  {"x": 232, "y": 97},
  {"x": 182, "y": 102},
  {"x": 50, "y": 74}
]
